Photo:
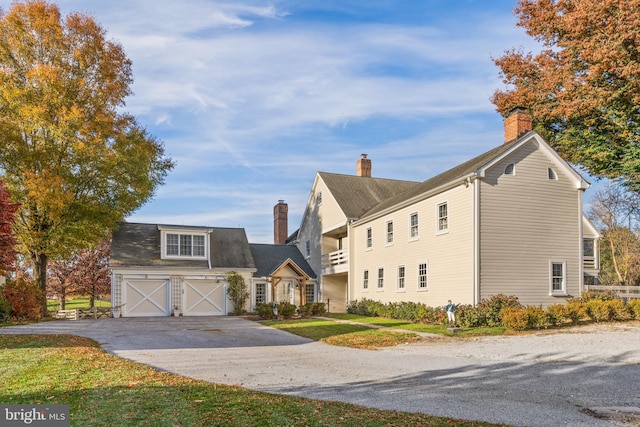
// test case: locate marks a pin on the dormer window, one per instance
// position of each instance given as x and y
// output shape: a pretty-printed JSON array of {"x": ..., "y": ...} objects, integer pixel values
[
  {"x": 184, "y": 245},
  {"x": 510, "y": 169}
]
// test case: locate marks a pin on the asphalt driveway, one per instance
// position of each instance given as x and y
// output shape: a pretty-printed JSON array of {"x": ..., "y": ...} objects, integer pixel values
[{"x": 571, "y": 379}]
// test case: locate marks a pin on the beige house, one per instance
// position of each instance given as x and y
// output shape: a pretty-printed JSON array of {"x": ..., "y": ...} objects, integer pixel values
[
  {"x": 509, "y": 221},
  {"x": 164, "y": 270}
]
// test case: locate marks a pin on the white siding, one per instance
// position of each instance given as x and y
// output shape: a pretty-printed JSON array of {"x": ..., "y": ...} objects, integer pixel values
[
  {"x": 527, "y": 220},
  {"x": 449, "y": 255}
]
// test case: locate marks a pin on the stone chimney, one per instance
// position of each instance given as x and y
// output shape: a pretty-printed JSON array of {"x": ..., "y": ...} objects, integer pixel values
[
  {"x": 363, "y": 166},
  {"x": 517, "y": 123},
  {"x": 280, "y": 221}
]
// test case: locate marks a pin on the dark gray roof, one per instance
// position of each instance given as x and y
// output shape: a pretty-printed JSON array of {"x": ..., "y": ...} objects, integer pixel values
[
  {"x": 356, "y": 194},
  {"x": 269, "y": 257},
  {"x": 450, "y": 175},
  {"x": 135, "y": 244}
]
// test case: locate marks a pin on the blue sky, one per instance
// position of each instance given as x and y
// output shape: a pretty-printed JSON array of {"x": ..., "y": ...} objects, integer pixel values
[{"x": 252, "y": 98}]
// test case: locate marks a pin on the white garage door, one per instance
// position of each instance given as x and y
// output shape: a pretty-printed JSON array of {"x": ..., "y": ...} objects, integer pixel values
[
  {"x": 204, "y": 298},
  {"x": 146, "y": 297}
]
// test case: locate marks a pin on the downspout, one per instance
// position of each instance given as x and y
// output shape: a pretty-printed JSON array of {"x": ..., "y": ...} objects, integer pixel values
[
  {"x": 580, "y": 245},
  {"x": 476, "y": 241},
  {"x": 209, "y": 248}
]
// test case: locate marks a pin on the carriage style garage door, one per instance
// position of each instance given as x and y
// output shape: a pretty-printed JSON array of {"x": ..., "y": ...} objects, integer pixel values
[
  {"x": 204, "y": 298},
  {"x": 146, "y": 297}
]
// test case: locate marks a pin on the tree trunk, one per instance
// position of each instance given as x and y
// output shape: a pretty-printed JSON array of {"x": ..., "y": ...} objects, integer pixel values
[
  {"x": 63, "y": 299},
  {"x": 40, "y": 275}
]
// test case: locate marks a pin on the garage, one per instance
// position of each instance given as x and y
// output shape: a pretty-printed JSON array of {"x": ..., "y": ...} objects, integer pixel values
[
  {"x": 204, "y": 297},
  {"x": 146, "y": 297}
]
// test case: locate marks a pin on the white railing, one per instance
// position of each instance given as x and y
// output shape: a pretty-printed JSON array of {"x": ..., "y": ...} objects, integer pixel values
[
  {"x": 589, "y": 262},
  {"x": 335, "y": 258},
  {"x": 625, "y": 292}
]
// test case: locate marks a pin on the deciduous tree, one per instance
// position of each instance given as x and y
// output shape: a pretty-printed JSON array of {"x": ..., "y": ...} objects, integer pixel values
[
  {"x": 616, "y": 213},
  {"x": 7, "y": 240},
  {"x": 73, "y": 160},
  {"x": 86, "y": 272},
  {"x": 583, "y": 87}
]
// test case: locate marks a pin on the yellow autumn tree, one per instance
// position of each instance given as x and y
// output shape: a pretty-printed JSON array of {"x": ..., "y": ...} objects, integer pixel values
[{"x": 73, "y": 161}]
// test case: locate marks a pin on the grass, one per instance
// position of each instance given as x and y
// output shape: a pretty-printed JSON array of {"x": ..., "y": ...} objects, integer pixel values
[
  {"x": 343, "y": 334},
  {"x": 104, "y": 390},
  {"x": 419, "y": 327},
  {"x": 53, "y": 305}
]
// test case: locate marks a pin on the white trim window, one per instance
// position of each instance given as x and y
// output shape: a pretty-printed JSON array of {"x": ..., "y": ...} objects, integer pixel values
[
  {"x": 558, "y": 277},
  {"x": 369, "y": 238},
  {"x": 184, "y": 245},
  {"x": 551, "y": 174},
  {"x": 510, "y": 169},
  {"x": 365, "y": 279},
  {"x": 422, "y": 276},
  {"x": 443, "y": 217},
  {"x": 380, "y": 278},
  {"x": 413, "y": 226},
  {"x": 401, "y": 277},
  {"x": 261, "y": 293},
  {"x": 310, "y": 292},
  {"x": 389, "y": 232}
]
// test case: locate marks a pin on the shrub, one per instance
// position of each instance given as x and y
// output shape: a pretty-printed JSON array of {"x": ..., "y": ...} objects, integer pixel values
[
  {"x": 556, "y": 314},
  {"x": 238, "y": 292},
  {"x": 599, "y": 296},
  {"x": 598, "y": 310},
  {"x": 366, "y": 307},
  {"x": 634, "y": 308},
  {"x": 5, "y": 309},
  {"x": 286, "y": 310},
  {"x": 264, "y": 310},
  {"x": 492, "y": 307},
  {"x": 318, "y": 308},
  {"x": 618, "y": 310},
  {"x": 305, "y": 310},
  {"x": 575, "y": 311},
  {"x": 521, "y": 319},
  {"x": 469, "y": 316},
  {"x": 515, "y": 318},
  {"x": 23, "y": 298},
  {"x": 536, "y": 317}
]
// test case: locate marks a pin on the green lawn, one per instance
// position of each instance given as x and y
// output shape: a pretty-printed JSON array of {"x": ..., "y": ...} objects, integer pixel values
[
  {"x": 104, "y": 390},
  {"x": 418, "y": 327},
  {"x": 343, "y": 334},
  {"x": 77, "y": 302}
]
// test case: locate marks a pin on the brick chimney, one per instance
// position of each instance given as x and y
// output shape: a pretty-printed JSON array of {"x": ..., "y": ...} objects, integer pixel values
[
  {"x": 517, "y": 123},
  {"x": 280, "y": 221},
  {"x": 363, "y": 166}
]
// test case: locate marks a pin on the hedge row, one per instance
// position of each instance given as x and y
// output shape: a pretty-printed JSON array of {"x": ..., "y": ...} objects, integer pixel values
[
  {"x": 504, "y": 310},
  {"x": 287, "y": 310}
]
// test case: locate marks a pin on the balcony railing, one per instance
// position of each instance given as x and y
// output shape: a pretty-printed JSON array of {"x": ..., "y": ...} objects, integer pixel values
[
  {"x": 590, "y": 262},
  {"x": 335, "y": 262}
]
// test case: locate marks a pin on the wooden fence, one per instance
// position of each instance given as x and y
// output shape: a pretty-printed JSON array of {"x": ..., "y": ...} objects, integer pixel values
[
  {"x": 90, "y": 313},
  {"x": 624, "y": 292}
]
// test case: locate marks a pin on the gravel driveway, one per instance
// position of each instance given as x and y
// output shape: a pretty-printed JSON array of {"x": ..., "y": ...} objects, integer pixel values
[{"x": 587, "y": 376}]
